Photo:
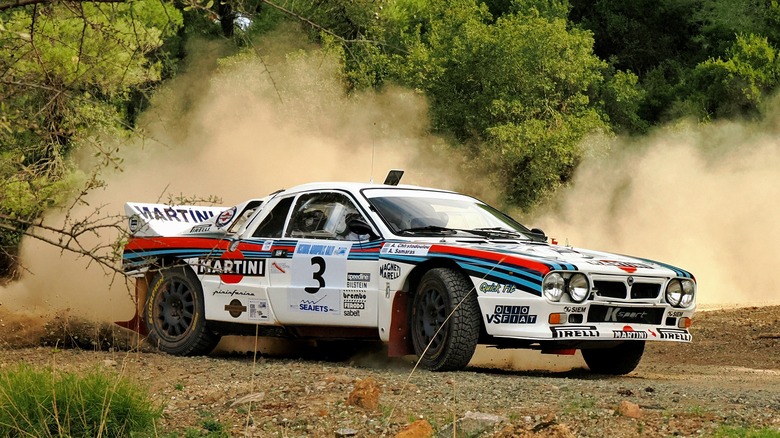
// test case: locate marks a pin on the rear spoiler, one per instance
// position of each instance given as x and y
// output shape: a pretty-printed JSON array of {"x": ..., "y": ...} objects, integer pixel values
[{"x": 148, "y": 220}]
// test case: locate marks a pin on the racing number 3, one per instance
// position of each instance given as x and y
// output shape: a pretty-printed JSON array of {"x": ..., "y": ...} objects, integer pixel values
[{"x": 320, "y": 262}]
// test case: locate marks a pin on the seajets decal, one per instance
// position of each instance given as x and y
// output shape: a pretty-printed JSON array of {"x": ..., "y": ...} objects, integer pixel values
[
  {"x": 584, "y": 331},
  {"x": 390, "y": 271},
  {"x": 314, "y": 306},
  {"x": 511, "y": 315},
  {"x": 412, "y": 249},
  {"x": 171, "y": 214},
  {"x": 358, "y": 280}
]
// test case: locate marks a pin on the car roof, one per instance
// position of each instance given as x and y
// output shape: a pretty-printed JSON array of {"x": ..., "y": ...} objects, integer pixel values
[{"x": 352, "y": 187}]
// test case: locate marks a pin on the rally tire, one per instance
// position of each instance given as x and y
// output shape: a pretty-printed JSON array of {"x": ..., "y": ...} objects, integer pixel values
[
  {"x": 437, "y": 296},
  {"x": 618, "y": 360},
  {"x": 174, "y": 314}
]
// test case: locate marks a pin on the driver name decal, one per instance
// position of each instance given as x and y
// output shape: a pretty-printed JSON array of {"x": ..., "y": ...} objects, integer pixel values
[{"x": 410, "y": 249}]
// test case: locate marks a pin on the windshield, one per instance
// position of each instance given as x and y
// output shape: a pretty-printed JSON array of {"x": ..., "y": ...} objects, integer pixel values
[{"x": 421, "y": 211}]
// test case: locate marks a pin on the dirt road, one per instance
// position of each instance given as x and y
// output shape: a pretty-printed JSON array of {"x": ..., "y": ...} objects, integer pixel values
[{"x": 729, "y": 376}]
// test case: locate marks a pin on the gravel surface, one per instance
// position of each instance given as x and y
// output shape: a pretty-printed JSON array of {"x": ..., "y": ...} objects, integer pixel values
[{"x": 729, "y": 376}]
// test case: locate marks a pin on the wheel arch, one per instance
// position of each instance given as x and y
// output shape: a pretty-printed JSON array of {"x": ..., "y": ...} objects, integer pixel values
[{"x": 400, "y": 343}]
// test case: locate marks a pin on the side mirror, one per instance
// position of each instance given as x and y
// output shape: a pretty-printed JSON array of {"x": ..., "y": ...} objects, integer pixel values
[
  {"x": 539, "y": 234},
  {"x": 361, "y": 227}
]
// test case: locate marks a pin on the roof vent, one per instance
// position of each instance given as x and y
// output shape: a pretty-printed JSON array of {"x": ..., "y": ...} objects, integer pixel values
[{"x": 394, "y": 177}]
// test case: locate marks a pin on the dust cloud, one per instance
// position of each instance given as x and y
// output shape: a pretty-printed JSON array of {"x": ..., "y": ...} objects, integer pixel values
[
  {"x": 700, "y": 197},
  {"x": 238, "y": 127}
]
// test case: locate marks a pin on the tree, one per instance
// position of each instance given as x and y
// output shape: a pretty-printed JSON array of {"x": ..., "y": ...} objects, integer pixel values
[
  {"x": 67, "y": 71},
  {"x": 519, "y": 91}
]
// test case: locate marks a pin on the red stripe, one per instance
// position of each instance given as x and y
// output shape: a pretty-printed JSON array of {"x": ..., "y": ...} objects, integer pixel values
[
  {"x": 498, "y": 258},
  {"x": 147, "y": 243}
]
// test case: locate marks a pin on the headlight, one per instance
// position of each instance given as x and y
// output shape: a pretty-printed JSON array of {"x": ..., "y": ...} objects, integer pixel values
[
  {"x": 552, "y": 286},
  {"x": 688, "y": 293},
  {"x": 674, "y": 292},
  {"x": 578, "y": 287}
]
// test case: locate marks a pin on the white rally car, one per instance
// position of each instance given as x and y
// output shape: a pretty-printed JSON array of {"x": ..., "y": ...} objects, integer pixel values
[{"x": 429, "y": 272}]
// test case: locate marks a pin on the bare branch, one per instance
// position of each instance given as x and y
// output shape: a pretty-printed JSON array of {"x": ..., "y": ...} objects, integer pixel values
[{"x": 21, "y": 3}]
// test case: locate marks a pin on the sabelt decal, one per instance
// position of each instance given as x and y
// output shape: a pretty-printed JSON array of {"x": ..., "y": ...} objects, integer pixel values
[
  {"x": 409, "y": 249},
  {"x": 572, "y": 331},
  {"x": 674, "y": 334},
  {"x": 389, "y": 271}
]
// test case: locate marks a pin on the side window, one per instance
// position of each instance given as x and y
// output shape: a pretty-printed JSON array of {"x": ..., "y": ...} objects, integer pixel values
[
  {"x": 323, "y": 216},
  {"x": 273, "y": 224}
]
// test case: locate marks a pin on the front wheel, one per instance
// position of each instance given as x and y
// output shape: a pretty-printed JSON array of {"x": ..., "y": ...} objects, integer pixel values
[
  {"x": 174, "y": 314},
  {"x": 620, "y": 359},
  {"x": 445, "y": 320}
]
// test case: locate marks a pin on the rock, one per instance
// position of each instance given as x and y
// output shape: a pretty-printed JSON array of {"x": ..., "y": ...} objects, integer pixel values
[
  {"x": 344, "y": 432},
  {"x": 418, "y": 429},
  {"x": 630, "y": 410},
  {"x": 109, "y": 363},
  {"x": 365, "y": 394},
  {"x": 472, "y": 424}
]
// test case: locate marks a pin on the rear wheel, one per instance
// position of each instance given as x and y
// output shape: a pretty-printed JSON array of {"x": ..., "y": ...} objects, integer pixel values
[
  {"x": 620, "y": 359},
  {"x": 174, "y": 314},
  {"x": 441, "y": 345}
]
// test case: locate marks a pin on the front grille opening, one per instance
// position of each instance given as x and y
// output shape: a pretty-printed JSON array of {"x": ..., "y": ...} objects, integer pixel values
[
  {"x": 611, "y": 289},
  {"x": 645, "y": 290}
]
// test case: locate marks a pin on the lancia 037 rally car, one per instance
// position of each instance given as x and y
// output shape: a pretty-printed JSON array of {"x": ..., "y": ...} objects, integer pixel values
[{"x": 430, "y": 272}]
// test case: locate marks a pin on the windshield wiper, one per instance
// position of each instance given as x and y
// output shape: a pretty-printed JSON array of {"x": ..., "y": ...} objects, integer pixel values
[
  {"x": 429, "y": 229},
  {"x": 499, "y": 231}
]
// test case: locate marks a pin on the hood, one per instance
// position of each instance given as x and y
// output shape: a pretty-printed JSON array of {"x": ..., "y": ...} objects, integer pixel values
[{"x": 569, "y": 258}]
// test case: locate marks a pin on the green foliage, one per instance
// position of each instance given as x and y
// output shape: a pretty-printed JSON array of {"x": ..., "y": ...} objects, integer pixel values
[
  {"x": 519, "y": 90},
  {"x": 71, "y": 77},
  {"x": 46, "y": 403},
  {"x": 745, "y": 432},
  {"x": 737, "y": 83}
]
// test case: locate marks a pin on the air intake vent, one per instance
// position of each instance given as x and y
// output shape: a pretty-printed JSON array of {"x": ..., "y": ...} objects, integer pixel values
[{"x": 611, "y": 289}]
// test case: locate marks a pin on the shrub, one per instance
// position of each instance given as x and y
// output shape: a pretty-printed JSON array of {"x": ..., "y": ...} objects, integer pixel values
[{"x": 45, "y": 403}]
